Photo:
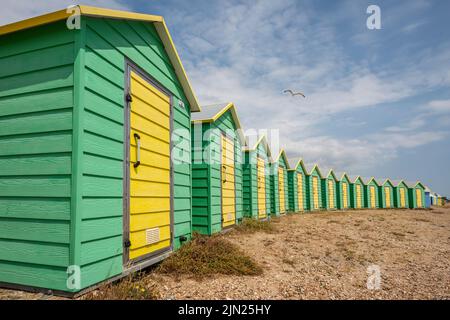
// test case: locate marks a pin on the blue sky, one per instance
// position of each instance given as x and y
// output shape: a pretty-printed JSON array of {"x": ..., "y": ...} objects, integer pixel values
[{"x": 378, "y": 101}]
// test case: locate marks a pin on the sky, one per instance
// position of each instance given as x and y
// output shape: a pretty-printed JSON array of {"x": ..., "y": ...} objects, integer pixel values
[{"x": 377, "y": 101}]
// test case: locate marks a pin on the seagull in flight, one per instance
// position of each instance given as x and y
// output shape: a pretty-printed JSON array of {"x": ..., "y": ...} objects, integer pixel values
[{"x": 294, "y": 93}]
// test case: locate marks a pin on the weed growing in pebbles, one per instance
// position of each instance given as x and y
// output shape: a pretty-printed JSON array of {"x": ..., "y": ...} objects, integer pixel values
[{"x": 205, "y": 256}]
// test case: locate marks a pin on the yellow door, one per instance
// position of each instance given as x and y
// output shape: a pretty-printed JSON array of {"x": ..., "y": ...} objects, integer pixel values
[
  {"x": 301, "y": 204},
  {"x": 387, "y": 196},
  {"x": 402, "y": 198},
  {"x": 281, "y": 190},
  {"x": 315, "y": 192},
  {"x": 358, "y": 196},
  {"x": 419, "y": 198},
  {"x": 331, "y": 194},
  {"x": 261, "y": 168},
  {"x": 345, "y": 195},
  {"x": 228, "y": 187},
  {"x": 372, "y": 197},
  {"x": 149, "y": 169}
]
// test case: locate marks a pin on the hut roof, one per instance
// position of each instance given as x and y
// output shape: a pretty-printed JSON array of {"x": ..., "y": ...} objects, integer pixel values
[{"x": 211, "y": 113}]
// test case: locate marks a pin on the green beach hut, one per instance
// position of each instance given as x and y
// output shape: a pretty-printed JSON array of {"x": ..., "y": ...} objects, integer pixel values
[
  {"x": 329, "y": 186},
  {"x": 314, "y": 188},
  {"x": 279, "y": 189},
  {"x": 88, "y": 191},
  {"x": 386, "y": 194},
  {"x": 356, "y": 192},
  {"x": 371, "y": 200},
  {"x": 297, "y": 187},
  {"x": 217, "y": 142},
  {"x": 416, "y": 195},
  {"x": 401, "y": 196},
  {"x": 256, "y": 178},
  {"x": 343, "y": 191}
]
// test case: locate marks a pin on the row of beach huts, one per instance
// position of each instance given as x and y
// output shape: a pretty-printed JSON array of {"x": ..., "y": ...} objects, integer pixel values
[{"x": 102, "y": 169}]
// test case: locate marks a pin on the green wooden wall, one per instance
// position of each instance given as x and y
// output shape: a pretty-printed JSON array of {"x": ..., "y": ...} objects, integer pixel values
[
  {"x": 274, "y": 193},
  {"x": 206, "y": 178},
  {"x": 36, "y": 126},
  {"x": 250, "y": 197},
  {"x": 250, "y": 185},
  {"x": 292, "y": 191}
]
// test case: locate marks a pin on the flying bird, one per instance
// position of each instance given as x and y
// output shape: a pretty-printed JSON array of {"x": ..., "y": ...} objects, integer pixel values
[{"x": 294, "y": 93}]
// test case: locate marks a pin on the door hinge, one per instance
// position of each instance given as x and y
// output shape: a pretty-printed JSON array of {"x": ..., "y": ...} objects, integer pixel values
[
  {"x": 127, "y": 243},
  {"x": 129, "y": 98}
]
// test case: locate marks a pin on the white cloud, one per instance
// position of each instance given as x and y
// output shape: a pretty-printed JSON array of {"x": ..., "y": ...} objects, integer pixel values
[
  {"x": 250, "y": 52},
  {"x": 360, "y": 154},
  {"x": 439, "y": 106}
]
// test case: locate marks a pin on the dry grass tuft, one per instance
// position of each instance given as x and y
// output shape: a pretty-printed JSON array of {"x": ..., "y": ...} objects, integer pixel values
[
  {"x": 133, "y": 287},
  {"x": 253, "y": 225},
  {"x": 205, "y": 256}
]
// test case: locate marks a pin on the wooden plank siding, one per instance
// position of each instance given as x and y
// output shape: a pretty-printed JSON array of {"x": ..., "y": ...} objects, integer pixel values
[
  {"x": 292, "y": 191},
  {"x": 107, "y": 43},
  {"x": 206, "y": 177},
  {"x": 250, "y": 183},
  {"x": 36, "y": 129},
  {"x": 274, "y": 186}
]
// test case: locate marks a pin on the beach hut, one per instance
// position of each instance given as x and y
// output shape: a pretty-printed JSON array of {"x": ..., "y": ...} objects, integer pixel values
[
  {"x": 297, "y": 187},
  {"x": 343, "y": 191},
  {"x": 400, "y": 194},
  {"x": 256, "y": 177},
  {"x": 356, "y": 192},
  {"x": 416, "y": 194},
  {"x": 434, "y": 199},
  {"x": 439, "y": 200},
  {"x": 428, "y": 193},
  {"x": 279, "y": 196},
  {"x": 313, "y": 188},
  {"x": 329, "y": 186},
  {"x": 88, "y": 191},
  {"x": 371, "y": 193},
  {"x": 386, "y": 194},
  {"x": 217, "y": 142}
]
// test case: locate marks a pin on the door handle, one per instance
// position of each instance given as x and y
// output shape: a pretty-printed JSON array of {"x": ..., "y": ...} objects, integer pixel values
[
  {"x": 225, "y": 171},
  {"x": 138, "y": 150}
]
